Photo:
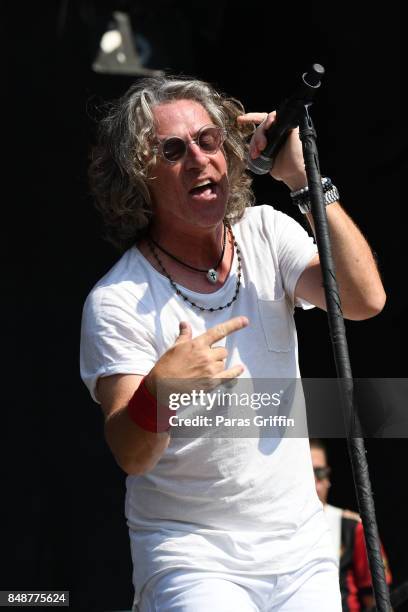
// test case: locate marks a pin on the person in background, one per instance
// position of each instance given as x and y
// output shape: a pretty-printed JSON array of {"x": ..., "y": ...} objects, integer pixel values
[{"x": 348, "y": 540}]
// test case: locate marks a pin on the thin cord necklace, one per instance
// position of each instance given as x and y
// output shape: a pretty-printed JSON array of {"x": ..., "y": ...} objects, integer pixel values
[
  {"x": 181, "y": 294},
  {"x": 211, "y": 273}
]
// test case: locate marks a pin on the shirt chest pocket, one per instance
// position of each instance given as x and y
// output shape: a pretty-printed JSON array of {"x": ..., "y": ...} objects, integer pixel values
[{"x": 277, "y": 324}]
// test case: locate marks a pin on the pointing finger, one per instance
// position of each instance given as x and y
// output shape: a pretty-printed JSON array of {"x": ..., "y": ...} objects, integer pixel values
[{"x": 223, "y": 329}]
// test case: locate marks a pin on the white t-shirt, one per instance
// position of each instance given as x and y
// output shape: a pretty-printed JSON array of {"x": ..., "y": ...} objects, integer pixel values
[
  {"x": 241, "y": 505},
  {"x": 334, "y": 518}
]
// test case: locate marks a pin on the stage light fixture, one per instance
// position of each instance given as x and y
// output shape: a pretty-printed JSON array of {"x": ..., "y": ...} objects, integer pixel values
[{"x": 118, "y": 52}]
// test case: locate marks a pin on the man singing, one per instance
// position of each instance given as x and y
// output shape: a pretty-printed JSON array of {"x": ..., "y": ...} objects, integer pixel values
[{"x": 206, "y": 289}]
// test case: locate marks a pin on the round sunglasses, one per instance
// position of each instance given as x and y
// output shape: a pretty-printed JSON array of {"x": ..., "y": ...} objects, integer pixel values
[{"x": 173, "y": 148}]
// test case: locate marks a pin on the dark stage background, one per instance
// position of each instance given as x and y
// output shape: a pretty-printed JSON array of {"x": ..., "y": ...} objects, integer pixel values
[{"x": 63, "y": 524}]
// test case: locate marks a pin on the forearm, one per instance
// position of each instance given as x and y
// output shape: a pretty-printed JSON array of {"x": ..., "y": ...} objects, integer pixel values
[
  {"x": 361, "y": 291},
  {"x": 136, "y": 451}
]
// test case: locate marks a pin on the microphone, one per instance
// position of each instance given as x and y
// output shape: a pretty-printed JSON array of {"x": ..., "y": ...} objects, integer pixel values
[{"x": 287, "y": 118}]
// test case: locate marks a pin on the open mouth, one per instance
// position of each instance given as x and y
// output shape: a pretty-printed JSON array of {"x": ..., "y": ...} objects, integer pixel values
[{"x": 204, "y": 191}]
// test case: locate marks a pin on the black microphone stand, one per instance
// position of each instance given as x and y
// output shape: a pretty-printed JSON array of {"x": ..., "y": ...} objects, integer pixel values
[{"x": 355, "y": 441}]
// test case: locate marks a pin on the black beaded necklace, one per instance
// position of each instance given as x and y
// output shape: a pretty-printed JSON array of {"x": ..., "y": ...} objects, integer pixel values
[
  {"x": 151, "y": 244},
  {"x": 211, "y": 273}
]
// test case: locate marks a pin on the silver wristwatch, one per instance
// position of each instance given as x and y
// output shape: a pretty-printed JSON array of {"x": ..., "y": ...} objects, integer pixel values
[{"x": 301, "y": 197}]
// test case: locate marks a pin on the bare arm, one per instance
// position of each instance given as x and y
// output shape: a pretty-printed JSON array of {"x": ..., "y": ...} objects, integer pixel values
[
  {"x": 361, "y": 291},
  {"x": 136, "y": 451}
]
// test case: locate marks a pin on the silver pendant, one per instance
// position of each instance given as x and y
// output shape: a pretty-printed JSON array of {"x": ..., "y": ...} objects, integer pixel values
[{"x": 212, "y": 276}]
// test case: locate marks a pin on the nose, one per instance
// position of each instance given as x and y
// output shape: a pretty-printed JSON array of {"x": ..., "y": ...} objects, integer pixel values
[{"x": 195, "y": 157}]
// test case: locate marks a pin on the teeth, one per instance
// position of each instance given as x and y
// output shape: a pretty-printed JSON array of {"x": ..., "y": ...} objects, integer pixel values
[{"x": 202, "y": 184}]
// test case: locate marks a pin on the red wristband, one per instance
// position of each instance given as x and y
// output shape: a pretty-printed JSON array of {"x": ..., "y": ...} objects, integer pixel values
[{"x": 145, "y": 412}]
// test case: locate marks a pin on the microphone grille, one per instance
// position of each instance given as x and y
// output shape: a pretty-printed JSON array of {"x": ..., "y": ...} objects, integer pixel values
[{"x": 260, "y": 165}]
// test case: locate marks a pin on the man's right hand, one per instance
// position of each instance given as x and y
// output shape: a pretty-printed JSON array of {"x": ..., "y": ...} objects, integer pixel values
[
  {"x": 137, "y": 451},
  {"x": 196, "y": 358}
]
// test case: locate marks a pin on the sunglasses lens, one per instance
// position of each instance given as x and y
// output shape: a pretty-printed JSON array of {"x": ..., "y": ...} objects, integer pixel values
[
  {"x": 210, "y": 139},
  {"x": 174, "y": 149},
  {"x": 321, "y": 473}
]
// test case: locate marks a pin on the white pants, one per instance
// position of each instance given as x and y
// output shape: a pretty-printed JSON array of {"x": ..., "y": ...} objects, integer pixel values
[{"x": 313, "y": 588}]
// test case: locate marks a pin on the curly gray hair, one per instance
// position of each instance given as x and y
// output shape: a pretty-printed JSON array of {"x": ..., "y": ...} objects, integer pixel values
[{"x": 123, "y": 156}]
